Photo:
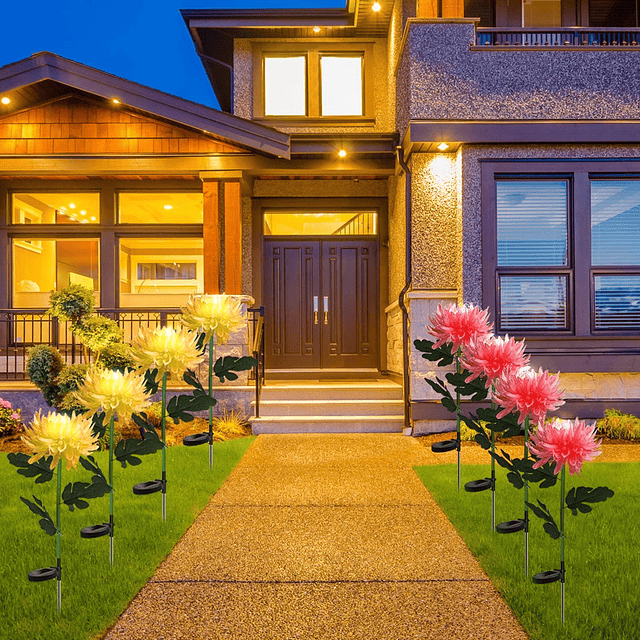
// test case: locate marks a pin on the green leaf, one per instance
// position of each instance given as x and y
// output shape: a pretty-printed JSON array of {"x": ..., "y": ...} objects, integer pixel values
[
  {"x": 224, "y": 367},
  {"x": 542, "y": 512},
  {"x": 46, "y": 522},
  {"x": 551, "y": 529},
  {"x": 98, "y": 425},
  {"x": 192, "y": 380},
  {"x": 91, "y": 465},
  {"x": 515, "y": 479},
  {"x": 151, "y": 383},
  {"x": 40, "y": 469},
  {"x": 142, "y": 420},
  {"x": 447, "y": 399},
  {"x": 126, "y": 451},
  {"x": 578, "y": 497},
  {"x": 544, "y": 475},
  {"x": 182, "y": 407},
  {"x": 76, "y": 494},
  {"x": 476, "y": 388},
  {"x": 442, "y": 355}
]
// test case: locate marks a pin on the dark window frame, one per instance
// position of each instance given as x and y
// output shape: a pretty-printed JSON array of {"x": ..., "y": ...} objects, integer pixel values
[{"x": 585, "y": 345}]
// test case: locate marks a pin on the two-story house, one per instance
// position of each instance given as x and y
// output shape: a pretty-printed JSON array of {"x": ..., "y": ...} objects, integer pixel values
[{"x": 368, "y": 164}]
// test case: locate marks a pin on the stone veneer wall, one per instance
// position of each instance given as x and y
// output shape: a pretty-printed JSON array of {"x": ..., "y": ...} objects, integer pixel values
[
  {"x": 395, "y": 356},
  {"x": 448, "y": 80}
]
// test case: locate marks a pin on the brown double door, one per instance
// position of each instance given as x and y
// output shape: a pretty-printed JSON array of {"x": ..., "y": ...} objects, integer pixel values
[{"x": 321, "y": 304}]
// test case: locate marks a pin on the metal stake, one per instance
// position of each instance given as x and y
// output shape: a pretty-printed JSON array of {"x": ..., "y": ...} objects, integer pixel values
[
  {"x": 526, "y": 498},
  {"x": 58, "y": 563},
  {"x": 562, "y": 479},
  {"x": 164, "y": 448},
  {"x": 458, "y": 370},
  {"x": 210, "y": 408},
  {"x": 111, "y": 491}
]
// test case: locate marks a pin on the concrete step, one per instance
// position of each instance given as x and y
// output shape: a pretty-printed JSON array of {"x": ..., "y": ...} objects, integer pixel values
[
  {"x": 333, "y": 407},
  {"x": 334, "y": 424},
  {"x": 331, "y": 391}
]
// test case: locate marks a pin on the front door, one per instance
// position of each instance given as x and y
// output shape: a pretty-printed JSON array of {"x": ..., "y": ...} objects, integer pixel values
[{"x": 321, "y": 303}]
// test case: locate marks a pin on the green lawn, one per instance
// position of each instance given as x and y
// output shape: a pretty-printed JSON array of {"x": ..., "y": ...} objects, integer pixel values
[
  {"x": 601, "y": 550},
  {"x": 93, "y": 594}
]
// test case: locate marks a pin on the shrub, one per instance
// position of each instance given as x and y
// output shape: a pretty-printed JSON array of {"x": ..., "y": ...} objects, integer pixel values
[
  {"x": 618, "y": 425},
  {"x": 469, "y": 435},
  {"x": 117, "y": 356},
  {"x": 97, "y": 332},
  {"x": 71, "y": 377},
  {"x": 10, "y": 421},
  {"x": 44, "y": 364},
  {"x": 73, "y": 303},
  {"x": 231, "y": 423}
]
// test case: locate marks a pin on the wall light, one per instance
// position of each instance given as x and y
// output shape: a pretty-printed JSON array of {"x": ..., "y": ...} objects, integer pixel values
[
  {"x": 5, "y": 100},
  {"x": 376, "y": 7},
  {"x": 316, "y": 29},
  {"x": 168, "y": 207},
  {"x": 115, "y": 101},
  {"x": 443, "y": 146},
  {"x": 342, "y": 153}
]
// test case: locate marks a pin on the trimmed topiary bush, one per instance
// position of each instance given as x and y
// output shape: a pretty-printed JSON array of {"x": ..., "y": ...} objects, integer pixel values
[
  {"x": 97, "y": 333},
  {"x": 72, "y": 303},
  {"x": 117, "y": 356},
  {"x": 44, "y": 364}
]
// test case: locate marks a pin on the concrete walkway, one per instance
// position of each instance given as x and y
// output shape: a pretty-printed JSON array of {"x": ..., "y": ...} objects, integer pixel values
[{"x": 322, "y": 537}]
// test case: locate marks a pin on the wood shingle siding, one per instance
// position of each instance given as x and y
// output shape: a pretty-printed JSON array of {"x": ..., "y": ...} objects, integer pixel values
[{"x": 71, "y": 126}]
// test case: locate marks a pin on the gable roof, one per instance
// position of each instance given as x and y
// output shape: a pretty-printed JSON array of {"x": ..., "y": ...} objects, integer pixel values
[
  {"x": 45, "y": 76},
  {"x": 214, "y": 30}
]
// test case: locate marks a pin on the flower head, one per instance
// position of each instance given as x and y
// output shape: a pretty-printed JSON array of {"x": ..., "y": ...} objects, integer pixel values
[
  {"x": 529, "y": 392},
  {"x": 491, "y": 357},
  {"x": 564, "y": 441},
  {"x": 60, "y": 436},
  {"x": 221, "y": 314},
  {"x": 458, "y": 324},
  {"x": 166, "y": 349},
  {"x": 113, "y": 392}
]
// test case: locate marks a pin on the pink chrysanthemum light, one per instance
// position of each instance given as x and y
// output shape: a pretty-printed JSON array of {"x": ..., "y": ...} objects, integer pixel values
[
  {"x": 492, "y": 357},
  {"x": 459, "y": 325},
  {"x": 529, "y": 392},
  {"x": 563, "y": 442}
]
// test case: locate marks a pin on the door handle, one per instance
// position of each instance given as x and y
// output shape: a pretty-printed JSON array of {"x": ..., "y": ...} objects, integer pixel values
[
  {"x": 315, "y": 309},
  {"x": 326, "y": 309}
]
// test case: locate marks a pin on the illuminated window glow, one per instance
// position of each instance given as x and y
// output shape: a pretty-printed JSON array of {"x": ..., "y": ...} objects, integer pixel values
[
  {"x": 341, "y": 79},
  {"x": 160, "y": 208},
  {"x": 285, "y": 86}
]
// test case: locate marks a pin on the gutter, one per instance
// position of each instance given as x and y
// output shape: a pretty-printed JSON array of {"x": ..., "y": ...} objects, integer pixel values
[{"x": 406, "y": 387}]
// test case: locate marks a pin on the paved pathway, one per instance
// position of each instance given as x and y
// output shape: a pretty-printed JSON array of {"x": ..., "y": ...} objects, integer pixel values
[{"x": 321, "y": 537}]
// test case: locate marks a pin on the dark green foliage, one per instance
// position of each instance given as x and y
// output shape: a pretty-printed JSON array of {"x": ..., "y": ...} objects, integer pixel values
[
  {"x": 224, "y": 367},
  {"x": 40, "y": 469},
  {"x": 97, "y": 332},
  {"x": 46, "y": 522},
  {"x": 550, "y": 525},
  {"x": 126, "y": 451},
  {"x": 117, "y": 356},
  {"x": 475, "y": 389},
  {"x": 71, "y": 377},
  {"x": 44, "y": 364},
  {"x": 72, "y": 303},
  {"x": 181, "y": 407},
  {"x": 578, "y": 497},
  {"x": 151, "y": 382},
  {"x": 146, "y": 421},
  {"x": 90, "y": 464},
  {"x": 76, "y": 494},
  {"x": 442, "y": 355},
  {"x": 447, "y": 399}
]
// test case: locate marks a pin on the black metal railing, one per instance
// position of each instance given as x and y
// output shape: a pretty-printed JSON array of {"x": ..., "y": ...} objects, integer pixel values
[
  {"x": 256, "y": 340},
  {"x": 565, "y": 37}
]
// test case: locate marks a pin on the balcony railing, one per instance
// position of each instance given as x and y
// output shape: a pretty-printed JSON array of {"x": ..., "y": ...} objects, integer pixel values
[{"x": 561, "y": 38}]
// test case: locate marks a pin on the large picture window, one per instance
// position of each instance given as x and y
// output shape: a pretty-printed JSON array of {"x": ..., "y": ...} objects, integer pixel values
[{"x": 561, "y": 253}]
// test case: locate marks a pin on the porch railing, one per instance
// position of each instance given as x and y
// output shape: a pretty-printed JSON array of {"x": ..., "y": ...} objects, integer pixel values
[
  {"x": 256, "y": 340},
  {"x": 563, "y": 38}
]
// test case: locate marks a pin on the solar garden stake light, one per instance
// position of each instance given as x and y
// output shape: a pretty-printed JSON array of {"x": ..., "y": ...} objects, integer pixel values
[
  {"x": 52, "y": 438},
  {"x": 565, "y": 443}
]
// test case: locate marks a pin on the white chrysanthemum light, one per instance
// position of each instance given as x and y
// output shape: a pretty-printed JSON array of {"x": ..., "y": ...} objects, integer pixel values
[
  {"x": 219, "y": 314},
  {"x": 113, "y": 392},
  {"x": 167, "y": 349},
  {"x": 61, "y": 436}
]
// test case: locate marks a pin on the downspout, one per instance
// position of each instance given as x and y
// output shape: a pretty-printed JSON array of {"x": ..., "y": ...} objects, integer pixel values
[{"x": 406, "y": 387}]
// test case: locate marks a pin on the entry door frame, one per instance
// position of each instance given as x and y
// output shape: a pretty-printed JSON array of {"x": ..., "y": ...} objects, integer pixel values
[{"x": 323, "y": 204}]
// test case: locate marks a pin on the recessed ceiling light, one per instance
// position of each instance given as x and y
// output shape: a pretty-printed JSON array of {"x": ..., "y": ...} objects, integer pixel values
[
  {"x": 83, "y": 213},
  {"x": 168, "y": 207},
  {"x": 342, "y": 153},
  {"x": 72, "y": 205},
  {"x": 443, "y": 146},
  {"x": 376, "y": 7},
  {"x": 5, "y": 100},
  {"x": 316, "y": 29},
  {"x": 93, "y": 218}
]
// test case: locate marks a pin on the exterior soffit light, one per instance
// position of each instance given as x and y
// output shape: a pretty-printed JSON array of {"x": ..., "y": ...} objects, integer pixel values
[
  {"x": 376, "y": 7},
  {"x": 342, "y": 153},
  {"x": 443, "y": 146},
  {"x": 115, "y": 101},
  {"x": 5, "y": 100},
  {"x": 316, "y": 29}
]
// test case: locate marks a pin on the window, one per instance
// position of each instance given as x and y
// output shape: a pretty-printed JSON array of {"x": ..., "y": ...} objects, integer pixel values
[
  {"x": 541, "y": 13},
  {"x": 312, "y": 82},
  {"x": 55, "y": 208},
  {"x": 160, "y": 208},
  {"x": 563, "y": 251},
  {"x": 342, "y": 223}
]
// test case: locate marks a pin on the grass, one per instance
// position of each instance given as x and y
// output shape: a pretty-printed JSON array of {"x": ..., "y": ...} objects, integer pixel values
[
  {"x": 93, "y": 594},
  {"x": 601, "y": 550}
]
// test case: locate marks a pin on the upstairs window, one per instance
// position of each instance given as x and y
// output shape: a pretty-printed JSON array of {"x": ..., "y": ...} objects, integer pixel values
[{"x": 316, "y": 82}]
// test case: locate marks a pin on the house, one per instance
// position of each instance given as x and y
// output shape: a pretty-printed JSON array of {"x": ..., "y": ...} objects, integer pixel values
[{"x": 367, "y": 164}]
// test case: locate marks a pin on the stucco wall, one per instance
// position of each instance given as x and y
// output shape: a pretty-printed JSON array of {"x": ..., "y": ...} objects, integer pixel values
[
  {"x": 436, "y": 221},
  {"x": 243, "y": 86},
  {"x": 450, "y": 81}
]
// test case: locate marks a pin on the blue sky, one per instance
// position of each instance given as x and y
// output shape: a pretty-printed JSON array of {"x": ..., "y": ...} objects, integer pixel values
[{"x": 141, "y": 40}]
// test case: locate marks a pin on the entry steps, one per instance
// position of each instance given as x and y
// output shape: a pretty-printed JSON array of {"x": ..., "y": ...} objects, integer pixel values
[{"x": 332, "y": 406}]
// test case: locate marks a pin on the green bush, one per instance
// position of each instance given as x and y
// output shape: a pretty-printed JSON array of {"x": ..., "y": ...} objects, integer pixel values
[
  {"x": 71, "y": 377},
  {"x": 10, "y": 421},
  {"x": 117, "y": 356},
  {"x": 97, "y": 332},
  {"x": 73, "y": 303},
  {"x": 618, "y": 425},
  {"x": 44, "y": 364}
]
